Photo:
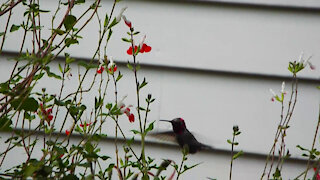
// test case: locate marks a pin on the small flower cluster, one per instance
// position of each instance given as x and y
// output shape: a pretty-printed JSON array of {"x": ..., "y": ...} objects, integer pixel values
[
  {"x": 306, "y": 62},
  {"x": 46, "y": 113},
  {"x": 297, "y": 66},
  {"x": 142, "y": 47},
  {"x": 275, "y": 96},
  {"x": 126, "y": 110},
  {"x": 83, "y": 125},
  {"x": 112, "y": 67}
]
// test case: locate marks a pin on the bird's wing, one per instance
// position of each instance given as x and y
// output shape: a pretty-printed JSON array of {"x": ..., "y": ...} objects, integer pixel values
[
  {"x": 167, "y": 136},
  {"x": 193, "y": 141}
]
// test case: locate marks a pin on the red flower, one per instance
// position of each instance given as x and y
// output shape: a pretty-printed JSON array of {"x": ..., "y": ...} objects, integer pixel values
[
  {"x": 100, "y": 70},
  {"x": 50, "y": 117},
  {"x": 61, "y": 156},
  {"x": 131, "y": 118},
  {"x": 145, "y": 48},
  {"x": 68, "y": 132},
  {"x": 129, "y": 51},
  {"x": 114, "y": 68},
  {"x": 49, "y": 111},
  {"x": 47, "y": 114}
]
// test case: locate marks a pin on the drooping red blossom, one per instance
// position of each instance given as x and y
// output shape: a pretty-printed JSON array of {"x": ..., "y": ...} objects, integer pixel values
[
  {"x": 131, "y": 118},
  {"x": 130, "y": 115},
  {"x": 100, "y": 69},
  {"x": 128, "y": 23},
  {"x": 145, "y": 48},
  {"x": 129, "y": 51}
]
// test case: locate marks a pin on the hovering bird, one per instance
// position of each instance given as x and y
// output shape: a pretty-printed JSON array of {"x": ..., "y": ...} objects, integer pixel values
[{"x": 183, "y": 136}]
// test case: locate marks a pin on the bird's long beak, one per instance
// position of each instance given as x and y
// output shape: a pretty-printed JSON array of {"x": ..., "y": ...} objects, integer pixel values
[{"x": 165, "y": 120}]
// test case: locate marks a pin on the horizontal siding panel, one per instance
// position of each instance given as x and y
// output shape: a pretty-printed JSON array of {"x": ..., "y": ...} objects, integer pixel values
[{"x": 201, "y": 36}]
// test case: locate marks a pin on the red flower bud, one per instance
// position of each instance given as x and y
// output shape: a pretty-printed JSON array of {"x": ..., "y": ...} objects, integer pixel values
[{"x": 100, "y": 70}]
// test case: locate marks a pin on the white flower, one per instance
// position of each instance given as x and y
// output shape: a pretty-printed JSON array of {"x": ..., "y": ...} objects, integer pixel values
[
  {"x": 282, "y": 87},
  {"x": 111, "y": 63},
  {"x": 301, "y": 57},
  {"x": 118, "y": 18},
  {"x": 273, "y": 93},
  {"x": 121, "y": 104},
  {"x": 142, "y": 41}
]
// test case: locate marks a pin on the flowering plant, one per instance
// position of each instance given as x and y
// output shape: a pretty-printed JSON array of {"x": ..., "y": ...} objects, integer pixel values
[{"x": 60, "y": 117}]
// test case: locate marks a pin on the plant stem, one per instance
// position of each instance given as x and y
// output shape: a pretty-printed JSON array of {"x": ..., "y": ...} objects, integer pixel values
[
  {"x": 313, "y": 143},
  {"x": 231, "y": 163},
  {"x": 181, "y": 164}
]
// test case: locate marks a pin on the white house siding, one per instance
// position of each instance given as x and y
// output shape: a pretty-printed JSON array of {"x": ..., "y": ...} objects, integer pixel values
[{"x": 211, "y": 64}]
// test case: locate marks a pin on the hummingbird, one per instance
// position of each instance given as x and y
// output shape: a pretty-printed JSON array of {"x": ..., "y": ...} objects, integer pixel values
[{"x": 183, "y": 136}]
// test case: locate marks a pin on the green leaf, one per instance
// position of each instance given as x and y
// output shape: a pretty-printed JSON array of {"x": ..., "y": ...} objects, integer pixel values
[
  {"x": 51, "y": 74},
  {"x": 14, "y": 28},
  {"x": 135, "y": 131},
  {"x": 301, "y": 148},
  {"x": 109, "y": 106},
  {"x": 135, "y": 33},
  {"x": 70, "y": 177},
  {"x": 105, "y": 157},
  {"x": 277, "y": 173},
  {"x": 4, "y": 88},
  {"x": 144, "y": 83},
  {"x": 240, "y": 153},
  {"x": 88, "y": 147},
  {"x": 106, "y": 20},
  {"x": 59, "y": 103},
  {"x": 129, "y": 66},
  {"x": 59, "y": 31},
  {"x": 110, "y": 167},
  {"x": 79, "y": 1},
  {"x": 87, "y": 65},
  {"x": 5, "y": 124},
  {"x": 29, "y": 104},
  {"x": 119, "y": 77},
  {"x": 126, "y": 40},
  {"x": 150, "y": 127},
  {"x": 113, "y": 23},
  {"x": 69, "y": 59},
  {"x": 185, "y": 168},
  {"x": 229, "y": 141},
  {"x": 1, "y": 33},
  {"x": 109, "y": 35},
  {"x": 70, "y": 41},
  {"x": 129, "y": 142},
  {"x": 60, "y": 68},
  {"x": 69, "y": 22}
]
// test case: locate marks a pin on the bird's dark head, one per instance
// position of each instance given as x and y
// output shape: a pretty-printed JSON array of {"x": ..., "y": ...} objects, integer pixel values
[{"x": 178, "y": 125}]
